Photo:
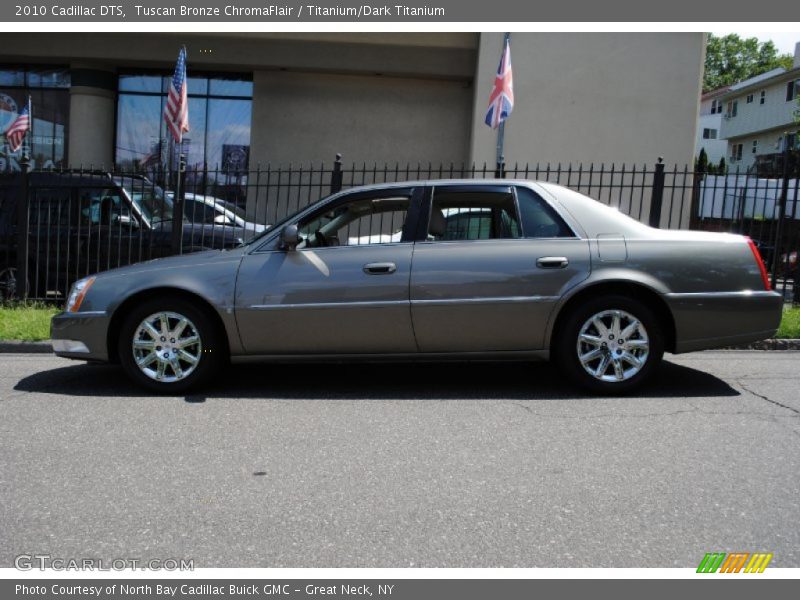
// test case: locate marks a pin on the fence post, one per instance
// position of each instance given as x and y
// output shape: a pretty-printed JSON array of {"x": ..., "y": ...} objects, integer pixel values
[
  {"x": 336, "y": 175},
  {"x": 500, "y": 169},
  {"x": 776, "y": 258},
  {"x": 23, "y": 204},
  {"x": 177, "y": 206},
  {"x": 657, "y": 196}
]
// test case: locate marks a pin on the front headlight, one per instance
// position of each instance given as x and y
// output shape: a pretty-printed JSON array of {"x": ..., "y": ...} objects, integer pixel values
[{"x": 78, "y": 293}]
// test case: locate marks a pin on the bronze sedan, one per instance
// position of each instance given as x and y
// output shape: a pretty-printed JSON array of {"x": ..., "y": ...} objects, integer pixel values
[{"x": 431, "y": 270}]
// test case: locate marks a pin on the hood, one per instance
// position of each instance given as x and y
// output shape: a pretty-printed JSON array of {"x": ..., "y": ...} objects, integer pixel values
[{"x": 164, "y": 266}]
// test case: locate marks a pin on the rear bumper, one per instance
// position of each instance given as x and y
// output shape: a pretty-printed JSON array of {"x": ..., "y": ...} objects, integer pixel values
[
  {"x": 80, "y": 335},
  {"x": 719, "y": 319}
]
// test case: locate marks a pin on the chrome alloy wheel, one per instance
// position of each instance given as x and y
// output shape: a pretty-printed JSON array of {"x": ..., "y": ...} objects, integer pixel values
[
  {"x": 613, "y": 346},
  {"x": 167, "y": 347}
]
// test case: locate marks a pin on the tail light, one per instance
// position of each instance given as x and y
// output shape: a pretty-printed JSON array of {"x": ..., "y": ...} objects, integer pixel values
[{"x": 760, "y": 263}]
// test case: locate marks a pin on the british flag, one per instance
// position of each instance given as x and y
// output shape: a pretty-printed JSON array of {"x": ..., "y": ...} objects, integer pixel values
[
  {"x": 19, "y": 127},
  {"x": 176, "y": 110},
  {"x": 501, "y": 100}
]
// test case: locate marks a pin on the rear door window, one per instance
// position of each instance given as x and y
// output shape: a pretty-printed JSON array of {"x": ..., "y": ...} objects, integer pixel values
[{"x": 473, "y": 215}]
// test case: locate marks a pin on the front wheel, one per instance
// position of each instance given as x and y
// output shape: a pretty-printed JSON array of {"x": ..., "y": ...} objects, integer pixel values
[
  {"x": 610, "y": 345},
  {"x": 170, "y": 346}
]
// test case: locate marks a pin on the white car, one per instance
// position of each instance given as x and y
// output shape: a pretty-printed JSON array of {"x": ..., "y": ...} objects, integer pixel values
[{"x": 209, "y": 210}]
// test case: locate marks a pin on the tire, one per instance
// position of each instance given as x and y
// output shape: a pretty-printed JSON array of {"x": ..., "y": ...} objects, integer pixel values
[
  {"x": 583, "y": 345},
  {"x": 9, "y": 284},
  {"x": 181, "y": 350}
]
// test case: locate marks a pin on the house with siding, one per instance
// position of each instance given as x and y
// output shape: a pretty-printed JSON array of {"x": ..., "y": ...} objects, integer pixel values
[
  {"x": 758, "y": 114},
  {"x": 709, "y": 124}
]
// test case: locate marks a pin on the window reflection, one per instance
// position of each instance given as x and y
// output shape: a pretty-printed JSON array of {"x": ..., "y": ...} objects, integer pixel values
[
  {"x": 48, "y": 89},
  {"x": 217, "y": 147}
]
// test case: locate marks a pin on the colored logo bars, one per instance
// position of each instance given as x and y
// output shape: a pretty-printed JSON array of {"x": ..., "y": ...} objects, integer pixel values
[{"x": 735, "y": 562}]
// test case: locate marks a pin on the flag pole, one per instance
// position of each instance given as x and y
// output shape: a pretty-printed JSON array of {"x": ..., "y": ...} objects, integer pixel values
[
  {"x": 501, "y": 129},
  {"x": 26, "y": 156}
]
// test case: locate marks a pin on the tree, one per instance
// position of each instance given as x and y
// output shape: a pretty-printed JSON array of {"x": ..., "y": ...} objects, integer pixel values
[
  {"x": 701, "y": 162},
  {"x": 730, "y": 59}
]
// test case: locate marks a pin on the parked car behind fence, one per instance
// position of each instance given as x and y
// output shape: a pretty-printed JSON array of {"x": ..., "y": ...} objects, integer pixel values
[{"x": 80, "y": 223}]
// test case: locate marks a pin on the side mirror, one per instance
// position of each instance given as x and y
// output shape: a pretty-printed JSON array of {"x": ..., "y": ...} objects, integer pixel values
[
  {"x": 127, "y": 221},
  {"x": 289, "y": 237},
  {"x": 222, "y": 220}
]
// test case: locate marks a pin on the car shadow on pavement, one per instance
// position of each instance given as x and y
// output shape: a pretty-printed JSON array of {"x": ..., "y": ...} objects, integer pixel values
[{"x": 379, "y": 381}]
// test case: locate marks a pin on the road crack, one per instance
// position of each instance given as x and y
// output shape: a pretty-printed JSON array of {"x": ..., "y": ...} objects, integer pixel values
[{"x": 766, "y": 398}]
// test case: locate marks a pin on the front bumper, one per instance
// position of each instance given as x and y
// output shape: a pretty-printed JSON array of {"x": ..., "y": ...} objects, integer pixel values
[
  {"x": 718, "y": 319},
  {"x": 81, "y": 335}
]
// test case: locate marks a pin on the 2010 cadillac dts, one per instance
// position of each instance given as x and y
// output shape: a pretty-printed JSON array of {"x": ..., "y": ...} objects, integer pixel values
[{"x": 427, "y": 270}]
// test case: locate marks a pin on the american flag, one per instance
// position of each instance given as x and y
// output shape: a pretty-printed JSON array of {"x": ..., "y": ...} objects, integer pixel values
[
  {"x": 501, "y": 100},
  {"x": 19, "y": 127},
  {"x": 176, "y": 110}
]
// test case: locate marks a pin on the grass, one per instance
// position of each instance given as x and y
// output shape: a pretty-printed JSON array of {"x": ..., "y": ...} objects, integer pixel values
[
  {"x": 790, "y": 324},
  {"x": 31, "y": 322}
]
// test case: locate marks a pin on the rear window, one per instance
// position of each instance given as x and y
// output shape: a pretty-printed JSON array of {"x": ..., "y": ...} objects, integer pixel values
[{"x": 539, "y": 220}]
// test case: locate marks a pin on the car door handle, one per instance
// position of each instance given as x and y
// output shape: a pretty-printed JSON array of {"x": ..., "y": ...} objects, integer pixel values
[
  {"x": 552, "y": 262},
  {"x": 382, "y": 268}
]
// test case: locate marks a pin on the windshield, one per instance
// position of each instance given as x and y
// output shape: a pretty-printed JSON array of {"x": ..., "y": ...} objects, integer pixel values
[
  {"x": 149, "y": 198},
  {"x": 236, "y": 210}
]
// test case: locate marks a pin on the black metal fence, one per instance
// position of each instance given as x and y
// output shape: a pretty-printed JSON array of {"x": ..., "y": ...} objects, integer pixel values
[{"x": 59, "y": 226}]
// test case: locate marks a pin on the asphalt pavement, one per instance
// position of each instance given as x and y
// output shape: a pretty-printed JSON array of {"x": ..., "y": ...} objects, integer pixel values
[{"x": 449, "y": 465}]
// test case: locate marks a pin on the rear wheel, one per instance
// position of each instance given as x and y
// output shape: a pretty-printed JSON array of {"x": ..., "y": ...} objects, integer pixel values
[
  {"x": 610, "y": 345},
  {"x": 170, "y": 345},
  {"x": 9, "y": 284}
]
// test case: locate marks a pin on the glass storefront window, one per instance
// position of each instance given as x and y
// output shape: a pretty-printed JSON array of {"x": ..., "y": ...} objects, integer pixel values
[
  {"x": 13, "y": 77},
  {"x": 48, "y": 88},
  {"x": 48, "y": 78},
  {"x": 140, "y": 83},
  {"x": 230, "y": 87},
  {"x": 220, "y": 110}
]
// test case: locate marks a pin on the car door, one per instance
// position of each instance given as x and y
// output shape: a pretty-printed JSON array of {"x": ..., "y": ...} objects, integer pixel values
[
  {"x": 343, "y": 290},
  {"x": 495, "y": 262},
  {"x": 111, "y": 225}
]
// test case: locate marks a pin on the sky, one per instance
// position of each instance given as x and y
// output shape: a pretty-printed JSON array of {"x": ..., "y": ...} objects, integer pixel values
[{"x": 783, "y": 40}]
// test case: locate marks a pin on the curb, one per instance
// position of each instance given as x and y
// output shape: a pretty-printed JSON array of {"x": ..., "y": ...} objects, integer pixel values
[
  {"x": 45, "y": 347},
  {"x": 771, "y": 344},
  {"x": 13, "y": 346}
]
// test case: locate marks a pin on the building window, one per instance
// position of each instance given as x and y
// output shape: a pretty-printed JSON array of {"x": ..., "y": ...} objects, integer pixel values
[
  {"x": 220, "y": 108},
  {"x": 749, "y": 98},
  {"x": 48, "y": 88},
  {"x": 755, "y": 147},
  {"x": 736, "y": 152},
  {"x": 791, "y": 89},
  {"x": 733, "y": 108},
  {"x": 716, "y": 107},
  {"x": 763, "y": 97},
  {"x": 709, "y": 134}
]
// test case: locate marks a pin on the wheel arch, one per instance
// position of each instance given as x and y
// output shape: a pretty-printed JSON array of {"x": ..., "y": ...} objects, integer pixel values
[
  {"x": 647, "y": 295},
  {"x": 118, "y": 316}
]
